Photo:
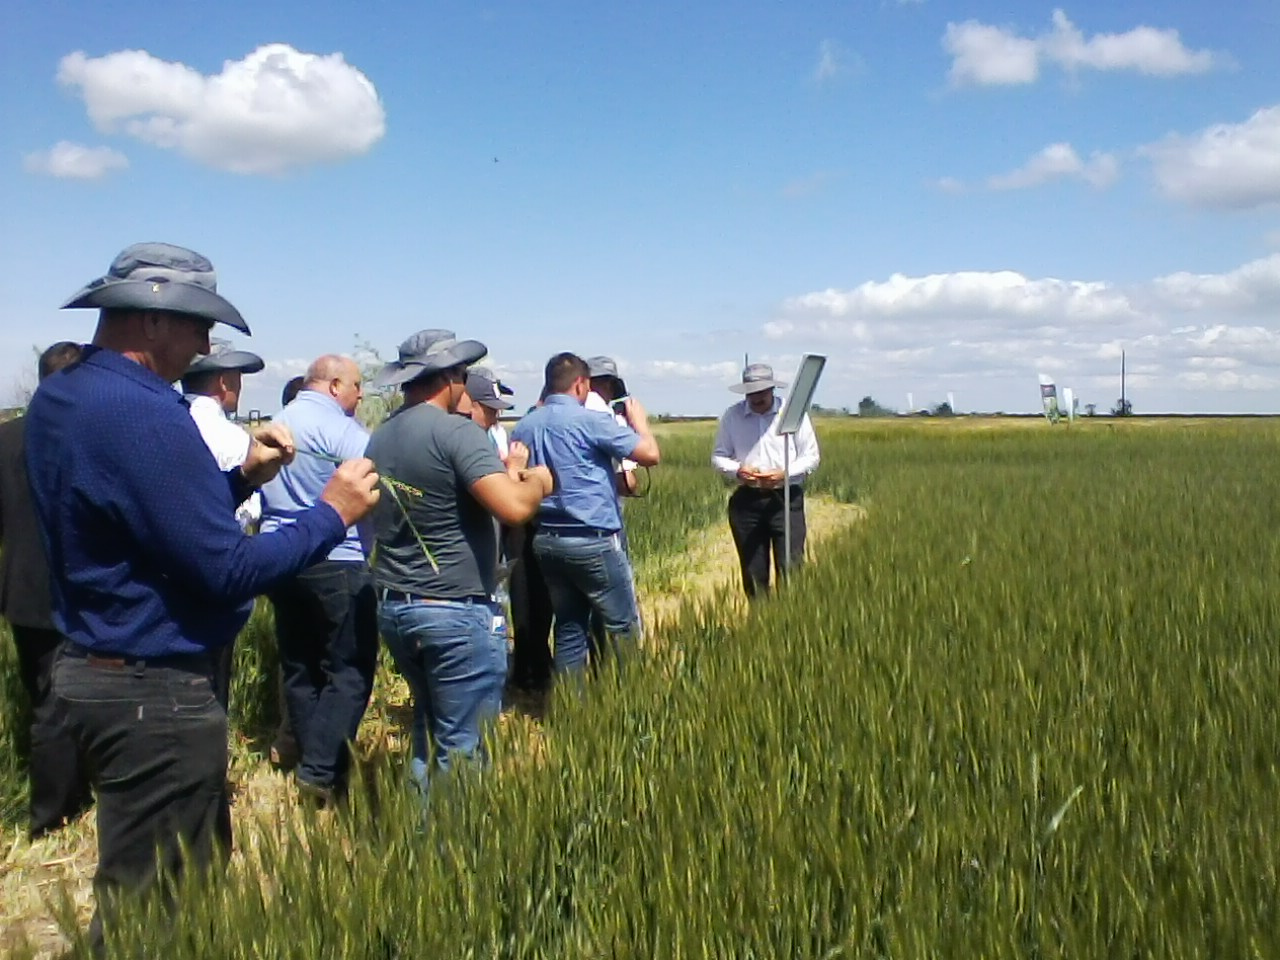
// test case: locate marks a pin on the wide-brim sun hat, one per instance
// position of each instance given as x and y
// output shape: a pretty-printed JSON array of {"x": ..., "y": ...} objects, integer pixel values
[
  {"x": 222, "y": 357},
  {"x": 427, "y": 352},
  {"x": 160, "y": 276},
  {"x": 756, "y": 378}
]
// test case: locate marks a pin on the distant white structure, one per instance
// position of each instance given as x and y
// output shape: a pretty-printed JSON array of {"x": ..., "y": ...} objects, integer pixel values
[{"x": 951, "y": 401}]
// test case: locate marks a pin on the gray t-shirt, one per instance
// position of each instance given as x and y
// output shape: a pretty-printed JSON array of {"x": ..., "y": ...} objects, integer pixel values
[{"x": 441, "y": 455}]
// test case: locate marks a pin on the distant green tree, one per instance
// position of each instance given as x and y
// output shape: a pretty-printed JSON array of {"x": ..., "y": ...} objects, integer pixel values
[
  {"x": 867, "y": 407},
  {"x": 377, "y": 404},
  {"x": 942, "y": 409}
]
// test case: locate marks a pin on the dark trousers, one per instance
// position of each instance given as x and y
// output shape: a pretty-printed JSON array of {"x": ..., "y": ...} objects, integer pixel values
[
  {"x": 530, "y": 615},
  {"x": 59, "y": 780},
  {"x": 327, "y": 632},
  {"x": 155, "y": 738},
  {"x": 756, "y": 519}
]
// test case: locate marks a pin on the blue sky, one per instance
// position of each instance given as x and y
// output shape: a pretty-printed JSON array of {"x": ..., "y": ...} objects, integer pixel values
[{"x": 942, "y": 197}]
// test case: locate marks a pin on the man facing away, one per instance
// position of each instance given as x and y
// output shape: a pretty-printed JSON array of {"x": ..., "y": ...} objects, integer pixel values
[
  {"x": 749, "y": 453},
  {"x": 578, "y": 542},
  {"x": 150, "y": 569},
  {"x": 436, "y": 556},
  {"x": 212, "y": 386},
  {"x": 58, "y": 778},
  {"x": 326, "y": 617}
]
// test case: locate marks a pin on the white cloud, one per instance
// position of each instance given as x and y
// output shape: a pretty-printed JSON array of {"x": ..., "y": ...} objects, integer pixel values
[
  {"x": 986, "y": 55},
  {"x": 1187, "y": 334},
  {"x": 275, "y": 110},
  {"x": 1059, "y": 161},
  {"x": 74, "y": 161},
  {"x": 1253, "y": 288},
  {"x": 666, "y": 370},
  {"x": 1232, "y": 165},
  {"x": 829, "y": 64}
]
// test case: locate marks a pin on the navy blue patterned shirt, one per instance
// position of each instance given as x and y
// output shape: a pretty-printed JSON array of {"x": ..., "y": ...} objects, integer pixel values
[{"x": 145, "y": 553}]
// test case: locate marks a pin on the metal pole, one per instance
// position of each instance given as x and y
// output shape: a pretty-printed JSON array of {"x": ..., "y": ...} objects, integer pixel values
[{"x": 786, "y": 502}]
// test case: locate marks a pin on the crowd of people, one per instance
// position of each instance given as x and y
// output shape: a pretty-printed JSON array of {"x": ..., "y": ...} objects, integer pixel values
[{"x": 140, "y": 523}]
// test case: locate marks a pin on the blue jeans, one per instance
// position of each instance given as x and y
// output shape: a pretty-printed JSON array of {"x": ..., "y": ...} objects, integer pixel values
[
  {"x": 587, "y": 575},
  {"x": 453, "y": 654}
]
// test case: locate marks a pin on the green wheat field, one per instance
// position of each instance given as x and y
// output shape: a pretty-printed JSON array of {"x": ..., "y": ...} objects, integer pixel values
[{"x": 1026, "y": 706}]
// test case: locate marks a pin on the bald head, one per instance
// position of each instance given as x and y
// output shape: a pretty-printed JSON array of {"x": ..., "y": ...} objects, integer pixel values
[{"x": 339, "y": 377}]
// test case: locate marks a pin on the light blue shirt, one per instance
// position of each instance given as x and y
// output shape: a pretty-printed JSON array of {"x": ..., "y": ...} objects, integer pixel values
[
  {"x": 320, "y": 425},
  {"x": 579, "y": 446}
]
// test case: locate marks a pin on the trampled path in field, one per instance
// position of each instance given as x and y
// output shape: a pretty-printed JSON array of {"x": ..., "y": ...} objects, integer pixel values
[{"x": 33, "y": 876}]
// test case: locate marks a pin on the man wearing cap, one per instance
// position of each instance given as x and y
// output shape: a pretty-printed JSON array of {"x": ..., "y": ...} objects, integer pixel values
[
  {"x": 579, "y": 543},
  {"x": 58, "y": 778},
  {"x": 212, "y": 386},
  {"x": 436, "y": 557},
  {"x": 608, "y": 393},
  {"x": 150, "y": 569},
  {"x": 326, "y": 616},
  {"x": 487, "y": 395},
  {"x": 750, "y": 453}
]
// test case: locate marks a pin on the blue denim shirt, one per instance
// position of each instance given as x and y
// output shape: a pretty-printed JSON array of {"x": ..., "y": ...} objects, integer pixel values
[
  {"x": 579, "y": 446},
  {"x": 319, "y": 424},
  {"x": 147, "y": 557}
]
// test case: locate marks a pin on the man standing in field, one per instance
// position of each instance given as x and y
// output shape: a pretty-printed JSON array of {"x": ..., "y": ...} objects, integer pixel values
[
  {"x": 579, "y": 539},
  {"x": 437, "y": 554},
  {"x": 58, "y": 778},
  {"x": 750, "y": 453},
  {"x": 326, "y": 617},
  {"x": 212, "y": 386},
  {"x": 151, "y": 572}
]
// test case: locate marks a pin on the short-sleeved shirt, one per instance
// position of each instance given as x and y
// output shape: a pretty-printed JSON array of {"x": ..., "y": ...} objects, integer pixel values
[
  {"x": 442, "y": 456},
  {"x": 319, "y": 425},
  {"x": 579, "y": 446}
]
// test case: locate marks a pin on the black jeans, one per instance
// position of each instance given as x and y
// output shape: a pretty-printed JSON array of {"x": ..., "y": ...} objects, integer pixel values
[
  {"x": 756, "y": 519},
  {"x": 327, "y": 631},
  {"x": 530, "y": 615},
  {"x": 59, "y": 780},
  {"x": 155, "y": 738}
]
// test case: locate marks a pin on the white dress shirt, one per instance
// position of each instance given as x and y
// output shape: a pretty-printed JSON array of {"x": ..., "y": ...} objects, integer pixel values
[
  {"x": 229, "y": 445},
  {"x": 748, "y": 439}
]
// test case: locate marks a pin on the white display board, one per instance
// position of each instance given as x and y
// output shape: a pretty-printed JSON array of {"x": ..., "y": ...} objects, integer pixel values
[{"x": 801, "y": 395}]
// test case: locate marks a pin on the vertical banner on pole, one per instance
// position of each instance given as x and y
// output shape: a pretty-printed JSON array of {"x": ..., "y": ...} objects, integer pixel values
[
  {"x": 1049, "y": 398},
  {"x": 792, "y": 416}
]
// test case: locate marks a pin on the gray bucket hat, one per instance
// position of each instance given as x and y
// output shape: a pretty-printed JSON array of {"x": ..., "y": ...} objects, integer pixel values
[
  {"x": 756, "y": 378},
  {"x": 160, "y": 276},
  {"x": 486, "y": 389},
  {"x": 605, "y": 367},
  {"x": 222, "y": 357},
  {"x": 428, "y": 351}
]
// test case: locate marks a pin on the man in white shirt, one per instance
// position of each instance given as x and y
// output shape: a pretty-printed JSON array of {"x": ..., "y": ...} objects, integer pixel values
[
  {"x": 608, "y": 391},
  {"x": 750, "y": 453},
  {"x": 212, "y": 387}
]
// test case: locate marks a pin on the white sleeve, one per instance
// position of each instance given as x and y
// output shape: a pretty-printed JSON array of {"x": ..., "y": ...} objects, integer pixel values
[
  {"x": 722, "y": 454},
  {"x": 806, "y": 457}
]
